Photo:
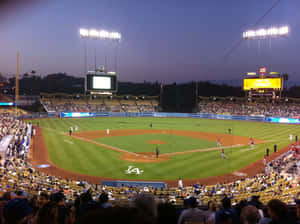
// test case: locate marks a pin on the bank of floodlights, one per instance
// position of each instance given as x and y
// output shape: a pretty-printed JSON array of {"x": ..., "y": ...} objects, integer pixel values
[
  {"x": 272, "y": 32},
  {"x": 99, "y": 34}
]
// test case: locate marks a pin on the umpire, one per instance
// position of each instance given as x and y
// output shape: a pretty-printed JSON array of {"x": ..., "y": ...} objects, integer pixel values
[{"x": 157, "y": 151}]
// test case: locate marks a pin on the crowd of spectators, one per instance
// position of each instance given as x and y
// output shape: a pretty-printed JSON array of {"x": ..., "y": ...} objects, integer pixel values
[
  {"x": 7, "y": 124},
  {"x": 96, "y": 105},
  {"x": 230, "y": 107},
  {"x": 15, "y": 128},
  {"x": 19, "y": 207},
  {"x": 69, "y": 105}
]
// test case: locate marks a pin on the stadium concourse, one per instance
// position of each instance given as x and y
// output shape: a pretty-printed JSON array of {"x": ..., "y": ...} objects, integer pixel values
[{"x": 32, "y": 196}]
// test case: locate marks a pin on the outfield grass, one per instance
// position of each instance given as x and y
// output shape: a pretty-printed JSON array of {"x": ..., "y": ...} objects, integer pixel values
[
  {"x": 87, "y": 158},
  {"x": 174, "y": 143}
]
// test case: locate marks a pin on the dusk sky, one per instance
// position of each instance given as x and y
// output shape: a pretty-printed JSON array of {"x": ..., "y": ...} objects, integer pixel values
[{"x": 164, "y": 40}]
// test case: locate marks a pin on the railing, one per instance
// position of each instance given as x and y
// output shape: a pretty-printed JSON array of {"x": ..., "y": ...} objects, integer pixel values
[{"x": 283, "y": 120}]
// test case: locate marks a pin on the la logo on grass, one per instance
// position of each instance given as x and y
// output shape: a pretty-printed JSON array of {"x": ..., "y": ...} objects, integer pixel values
[{"x": 134, "y": 170}]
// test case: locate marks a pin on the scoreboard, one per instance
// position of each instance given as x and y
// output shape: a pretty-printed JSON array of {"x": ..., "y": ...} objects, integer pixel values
[
  {"x": 262, "y": 83},
  {"x": 98, "y": 81}
]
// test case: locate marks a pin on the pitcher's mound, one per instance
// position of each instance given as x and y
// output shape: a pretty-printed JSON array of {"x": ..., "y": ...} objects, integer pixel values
[
  {"x": 144, "y": 157},
  {"x": 157, "y": 142}
]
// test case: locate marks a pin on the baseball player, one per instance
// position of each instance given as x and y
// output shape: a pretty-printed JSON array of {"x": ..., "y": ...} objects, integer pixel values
[
  {"x": 223, "y": 154},
  {"x": 219, "y": 144},
  {"x": 252, "y": 143}
]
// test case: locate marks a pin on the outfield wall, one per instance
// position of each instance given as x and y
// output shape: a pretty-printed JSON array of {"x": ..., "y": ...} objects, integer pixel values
[{"x": 283, "y": 120}]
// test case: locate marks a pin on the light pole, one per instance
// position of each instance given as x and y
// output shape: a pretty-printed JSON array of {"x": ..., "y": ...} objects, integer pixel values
[
  {"x": 272, "y": 32},
  {"x": 96, "y": 35},
  {"x": 266, "y": 33},
  {"x": 17, "y": 83}
]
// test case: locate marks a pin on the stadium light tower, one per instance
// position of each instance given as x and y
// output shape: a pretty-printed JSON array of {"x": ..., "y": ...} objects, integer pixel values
[
  {"x": 272, "y": 32},
  {"x": 266, "y": 34},
  {"x": 99, "y": 34},
  {"x": 95, "y": 34}
]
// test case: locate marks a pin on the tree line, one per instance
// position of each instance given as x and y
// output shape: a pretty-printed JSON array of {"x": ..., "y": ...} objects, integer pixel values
[{"x": 180, "y": 97}]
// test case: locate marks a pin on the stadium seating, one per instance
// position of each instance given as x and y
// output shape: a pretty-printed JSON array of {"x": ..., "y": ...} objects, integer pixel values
[
  {"x": 12, "y": 111},
  {"x": 145, "y": 105},
  {"x": 129, "y": 105},
  {"x": 5, "y": 98},
  {"x": 90, "y": 104},
  {"x": 230, "y": 106}
]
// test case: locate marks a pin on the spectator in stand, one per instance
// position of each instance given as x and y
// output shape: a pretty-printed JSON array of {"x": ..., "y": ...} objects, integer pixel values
[
  {"x": 167, "y": 213},
  {"x": 278, "y": 212},
  {"x": 225, "y": 218},
  {"x": 53, "y": 213},
  {"x": 103, "y": 199},
  {"x": 145, "y": 203},
  {"x": 298, "y": 210},
  {"x": 17, "y": 211},
  {"x": 58, "y": 198},
  {"x": 249, "y": 215},
  {"x": 266, "y": 217},
  {"x": 197, "y": 188},
  {"x": 87, "y": 204},
  {"x": 226, "y": 212},
  {"x": 192, "y": 214},
  {"x": 43, "y": 199},
  {"x": 211, "y": 213},
  {"x": 257, "y": 203},
  {"x": 116, "y": 215}
]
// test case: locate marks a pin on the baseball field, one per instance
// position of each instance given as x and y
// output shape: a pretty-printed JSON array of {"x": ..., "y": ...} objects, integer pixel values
[{"x": 187, "y": 147}]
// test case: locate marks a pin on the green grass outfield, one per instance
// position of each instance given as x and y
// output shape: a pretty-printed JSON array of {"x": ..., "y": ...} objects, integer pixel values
[{"x": 87, "y": 158}]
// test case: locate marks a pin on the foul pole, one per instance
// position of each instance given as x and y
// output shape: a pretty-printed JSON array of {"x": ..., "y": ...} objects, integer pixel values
[{"x": 17, "y": 84}]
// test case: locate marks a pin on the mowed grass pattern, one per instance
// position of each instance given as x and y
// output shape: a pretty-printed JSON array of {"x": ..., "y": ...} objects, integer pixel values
[
  {"x": 87, "y": 158},
  {"x": 173, "y": 143}
]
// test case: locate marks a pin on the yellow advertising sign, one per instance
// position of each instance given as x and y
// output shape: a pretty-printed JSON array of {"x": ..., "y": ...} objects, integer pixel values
[{"x": 267, "y": 83}]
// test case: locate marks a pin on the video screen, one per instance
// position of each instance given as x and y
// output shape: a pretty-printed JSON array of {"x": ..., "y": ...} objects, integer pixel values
[
  {"x": 97, "y": 82},
  {"x": 100, "y": 82},
  {"x": 266, "y": 83}
]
